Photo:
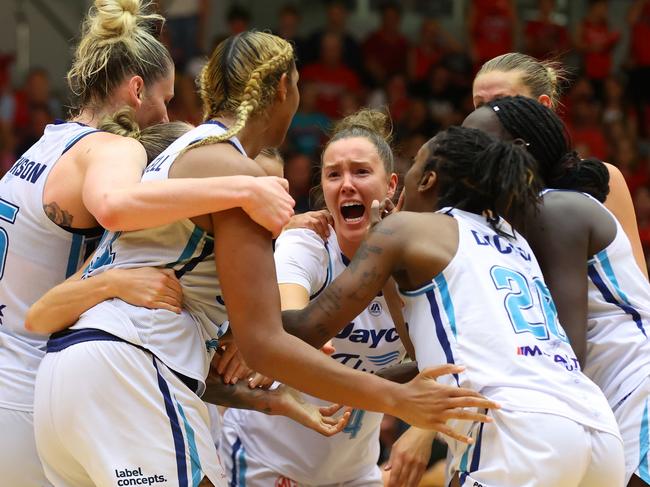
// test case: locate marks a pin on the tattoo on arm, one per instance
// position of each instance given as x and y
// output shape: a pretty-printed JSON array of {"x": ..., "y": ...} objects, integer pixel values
[{"x": 57, "y": 214}]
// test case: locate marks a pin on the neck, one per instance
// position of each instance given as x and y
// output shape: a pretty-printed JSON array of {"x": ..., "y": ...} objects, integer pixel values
[
  {"x": 93, "y": 116},
  {"x": 348, "y": 247}
]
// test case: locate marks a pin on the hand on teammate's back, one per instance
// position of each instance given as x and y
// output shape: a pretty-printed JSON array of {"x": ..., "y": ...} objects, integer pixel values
[
  {"x": 149, "y": 287},
  {"x": 409, "y": 457},
  {"x": 230, "y": 364},
  {"x": 318, "y": 221},
  {"x": 269, "y": 203},
  {"x": 429, "y": 405}
]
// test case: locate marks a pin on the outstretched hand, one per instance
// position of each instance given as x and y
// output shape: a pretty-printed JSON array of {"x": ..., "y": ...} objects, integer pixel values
[
  {"x": 318, "y": 221},
  {"x": 319, "y": 419},
  {"x": 429, "y": 405}
]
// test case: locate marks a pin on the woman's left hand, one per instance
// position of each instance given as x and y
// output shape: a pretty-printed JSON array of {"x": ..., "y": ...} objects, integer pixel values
[{"x": 409, "y": 458}]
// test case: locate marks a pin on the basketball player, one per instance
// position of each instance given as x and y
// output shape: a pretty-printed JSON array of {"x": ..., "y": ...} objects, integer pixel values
[
  {"x": 474, "y": 295},
  {"x": 156, "y": 361},
  {"x": 75, "y": 180},
  {"x": 357, "y": 169},
  {"x": 518, "y": 74},
  {"x": 602, "y": 299}
]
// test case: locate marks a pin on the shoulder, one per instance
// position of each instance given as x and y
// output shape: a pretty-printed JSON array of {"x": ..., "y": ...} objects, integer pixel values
[
  {"x": 220, "y": 159},
  {"x": 102, "y": 146}
]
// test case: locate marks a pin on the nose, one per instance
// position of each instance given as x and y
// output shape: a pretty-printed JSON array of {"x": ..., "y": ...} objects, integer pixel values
[
  {"x": 346, "y": 183},
  {"x": 165, "y": 118}
]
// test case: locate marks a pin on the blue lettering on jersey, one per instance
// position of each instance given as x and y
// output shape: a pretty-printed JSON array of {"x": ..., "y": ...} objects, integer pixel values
[
  {"x": 212, "y": 344},
  {"x": 346, "y": 358},
  {"x": 26, "y": 169},
  {"x": 501, "y": 244},
  {"x": 373, "y": 337},
  {"x": 156, "y": 164},
  {"x": 2, "y": 306}
]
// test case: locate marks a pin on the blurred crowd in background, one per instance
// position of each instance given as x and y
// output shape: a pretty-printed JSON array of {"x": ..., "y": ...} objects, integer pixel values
[{"x": 423, "y": 79}]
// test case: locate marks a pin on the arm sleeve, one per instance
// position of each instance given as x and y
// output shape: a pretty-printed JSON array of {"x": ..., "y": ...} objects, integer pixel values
[{"x": 301, "y": 258}]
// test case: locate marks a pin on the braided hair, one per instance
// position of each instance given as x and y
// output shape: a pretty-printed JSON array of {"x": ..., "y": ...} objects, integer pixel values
[
  {"x": 548, "y": 141},
  {"x": 481, "y": 174},
  {"x": 241, "y": 78}
]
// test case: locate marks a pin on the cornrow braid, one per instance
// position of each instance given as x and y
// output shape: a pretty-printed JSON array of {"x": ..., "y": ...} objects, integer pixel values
[
  {"x": 247, "y": 52},
  {"x": 550, "y": 144}
]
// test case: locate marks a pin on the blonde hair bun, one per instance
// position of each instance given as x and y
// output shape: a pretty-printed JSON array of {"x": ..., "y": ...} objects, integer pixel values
[
  {"x": 114, "y": 18},
  {"x": 375, "y": 121},
  {"x": 121, "y": 123}
]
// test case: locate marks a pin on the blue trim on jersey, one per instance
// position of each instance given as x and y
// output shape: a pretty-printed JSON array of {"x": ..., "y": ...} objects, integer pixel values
[
  {"x": 476, "y": 455},
  {"x": 195, "y": 460},
  {"x": 190, "y": 247},
  {"x": 384, "y": 359},
  {"x": 208, "y": 248},
  {"x": 233, "y": 457},
  {"x": 447, "y": 302},
  {"x": 177, "y": 434},
  {"x": 77, "y": 139},
  {"x": 328, "y": 277},
  {"x": 599, "y": 282},
  {"x": 441, "y": 333},
  {"x": 243, "y": 466},
  {"x": 66, "y": 338},
  {"x": 75, "y": 254},
  {"x": 420, "y": 291},
  {"x": 643, "y": 470}
]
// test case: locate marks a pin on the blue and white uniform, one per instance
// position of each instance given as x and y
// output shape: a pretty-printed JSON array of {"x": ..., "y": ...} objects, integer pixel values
[
  {"x": 490, "y": 311},
  {"x": 618, "y": 349},
  {"x": 260, "y": 450},
  {"x": 35, "y": 255},
  {"x": 151, "y": 364}
]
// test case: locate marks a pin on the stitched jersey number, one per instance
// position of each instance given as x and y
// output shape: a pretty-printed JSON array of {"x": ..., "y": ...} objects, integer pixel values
[
  {"x": 8, "y": 214},
  {"x": 520, "y": 299}
]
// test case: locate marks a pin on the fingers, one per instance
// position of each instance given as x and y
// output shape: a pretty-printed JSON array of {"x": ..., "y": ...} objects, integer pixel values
[
  {"x": 415, "y": 474},
  {"x": 328, "y": 349},
  {"x": 375, "y": 212},
  {"x": 259, "y": 380},
  {"x": 396, "y": 471},
  {"x": 447, "y": 431},
  {"x": 330, "y": 410},
  {"x": 467, "y": 415},
  {"x": 282, "y": 182},
  {"x": 473, "y": 402},
  {"x": 339, "y": 426},
  {"x": 227, "y": 355},
  {"x": 434, "y": 372}
]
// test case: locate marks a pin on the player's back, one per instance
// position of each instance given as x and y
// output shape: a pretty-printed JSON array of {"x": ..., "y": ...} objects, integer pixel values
[
  {"x": 490, "y": 311},
  {"x": 35, "y": 255},
  {"x": 185, "y": 342}
]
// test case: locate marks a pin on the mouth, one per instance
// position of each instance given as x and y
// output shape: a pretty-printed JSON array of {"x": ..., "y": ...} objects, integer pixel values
[{"x": 352, "y": 211}]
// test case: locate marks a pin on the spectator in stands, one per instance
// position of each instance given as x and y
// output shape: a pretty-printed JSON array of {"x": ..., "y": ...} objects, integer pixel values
[
  {"x": 289, "y": 28},
  {"x": 336, "y": 19},
  {"x": 308, "y": 129},
  {"x": 434, "y": 43},
  {"x": 632, "y": 165},
  {"x": 331, "y": 77},
  {"x": 491, "y": 29},
  {"x": 543, "y": 37},
  {"x": 185, "y": 27},
  {"x": 596, "y": 41},
  {"x": 385, "y": 49},
  {"x": 639, "y": 61}
]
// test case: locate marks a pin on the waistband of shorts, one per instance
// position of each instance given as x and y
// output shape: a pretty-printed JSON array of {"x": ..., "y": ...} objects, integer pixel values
[{"x": 63, "y": 339}]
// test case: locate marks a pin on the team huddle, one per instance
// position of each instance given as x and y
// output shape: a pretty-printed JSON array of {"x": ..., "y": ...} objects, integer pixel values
[{"x": 140, "y": 286}]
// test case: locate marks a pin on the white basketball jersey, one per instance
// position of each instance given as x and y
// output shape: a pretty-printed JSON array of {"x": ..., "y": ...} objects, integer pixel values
[
  {"x": 368, "y": 343},
  {"x": 35, "y": 255},
  {"x": 185, "y": 342},
  {"x": 490, "y": 311},
  {"x": 618, "y": 349}
]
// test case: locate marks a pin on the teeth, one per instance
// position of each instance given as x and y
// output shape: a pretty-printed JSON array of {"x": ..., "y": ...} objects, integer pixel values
[
  {"x": 351, "y": 203},
  {"x": 354, "y": 220}
]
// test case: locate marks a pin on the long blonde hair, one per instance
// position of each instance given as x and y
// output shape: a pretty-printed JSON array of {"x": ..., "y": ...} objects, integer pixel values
[
  {"x": 241, "y": 78},
  {"x": 117, "y": 41}
]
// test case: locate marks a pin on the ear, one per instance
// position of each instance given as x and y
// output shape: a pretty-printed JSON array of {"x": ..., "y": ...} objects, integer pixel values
[
  {"x": 392, "y": 185},
  {"x": 135, "y": 90},
  {"x": 545, "y": 100},
  {"x": 428, "y": 181},
  {"x": 283, "y": 88}
]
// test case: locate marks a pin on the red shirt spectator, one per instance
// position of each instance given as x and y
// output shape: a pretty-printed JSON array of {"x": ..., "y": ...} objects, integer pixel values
[
  {"x": 330, "y": 77},
  {"x": 385, "y": 49},
  {"x": 639, "y": 20},
  {"x": 544, "y": 38},
  {"x": 491, "y": 27},
  {"x": 596, "y": 41}
]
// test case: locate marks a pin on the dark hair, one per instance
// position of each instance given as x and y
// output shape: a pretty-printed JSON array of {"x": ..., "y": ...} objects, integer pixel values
[
  {"x": 478, "y": 173},
  {"x": 548, "y": 141}
]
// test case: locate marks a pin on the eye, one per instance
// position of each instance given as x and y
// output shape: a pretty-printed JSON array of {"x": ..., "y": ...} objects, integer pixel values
[
  {"x": 363, "y": 171},
  {"x": 332, "y": 175}
]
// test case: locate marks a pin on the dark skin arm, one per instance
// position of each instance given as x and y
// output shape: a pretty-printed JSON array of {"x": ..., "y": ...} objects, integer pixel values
[
  {"x": 400, "y": 373},
  {"x": 565, "y": 233}
]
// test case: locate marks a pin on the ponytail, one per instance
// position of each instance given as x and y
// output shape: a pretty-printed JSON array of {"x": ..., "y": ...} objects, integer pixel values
[{"x": 585, "y": 175}]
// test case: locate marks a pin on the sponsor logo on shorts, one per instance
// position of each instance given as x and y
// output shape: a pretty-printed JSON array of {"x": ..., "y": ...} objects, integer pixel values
[
  {"x": 375, "y": 308},
  {"x": 136, "y": 477},
  {"x": 568, "y": 362},
  {"x": 285, "y": 482}
]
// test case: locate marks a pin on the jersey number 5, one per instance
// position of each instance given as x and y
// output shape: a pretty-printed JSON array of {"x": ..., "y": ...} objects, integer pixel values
[{"x": 8, "y": 214}]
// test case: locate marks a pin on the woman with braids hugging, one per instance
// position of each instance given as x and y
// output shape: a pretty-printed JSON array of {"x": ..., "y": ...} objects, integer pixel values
[
  {"x": 602, "y": 297},
  {"x": 118, "y": 393}
]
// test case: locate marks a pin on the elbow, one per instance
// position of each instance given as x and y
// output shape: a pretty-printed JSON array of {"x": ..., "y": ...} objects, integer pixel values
[
  {"x": 109, "y": 213},
  {"x": 32, "y": 324}
]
